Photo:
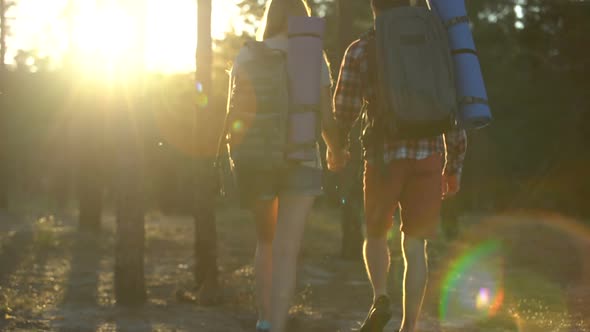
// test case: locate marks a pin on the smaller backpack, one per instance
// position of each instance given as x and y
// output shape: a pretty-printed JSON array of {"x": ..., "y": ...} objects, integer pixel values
[
  {"x": 411, "y": 70},
  {"x": 258, "y": 109}
]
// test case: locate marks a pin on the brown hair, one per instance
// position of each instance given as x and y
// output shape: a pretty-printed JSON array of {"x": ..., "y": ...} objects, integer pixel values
[{"x": 276, "y": 16}]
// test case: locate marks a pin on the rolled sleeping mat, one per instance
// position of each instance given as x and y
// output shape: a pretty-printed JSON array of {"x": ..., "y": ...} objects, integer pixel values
[
  {"x": 304, "y": 61},
  {"x": 474, "y": 110}
]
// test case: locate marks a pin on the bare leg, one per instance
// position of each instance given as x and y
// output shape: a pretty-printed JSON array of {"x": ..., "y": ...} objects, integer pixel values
[
  {"x": 381, "y": 200},
  {"x": 293, "y": 212},
  {"x": 415, "y": 280},
  {"x": 377, "y": 261},
  {"x": 379, "y": 214},
  {"x": 265, "y": 213}
]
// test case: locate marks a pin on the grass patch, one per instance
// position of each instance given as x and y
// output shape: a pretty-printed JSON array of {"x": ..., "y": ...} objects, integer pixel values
[{"x": 46, "y": 233}]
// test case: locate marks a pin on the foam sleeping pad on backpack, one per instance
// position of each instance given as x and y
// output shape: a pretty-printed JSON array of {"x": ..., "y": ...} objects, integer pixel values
[
  {"x": 304, "y": 65},
  {"x": 474, "y": 110}
]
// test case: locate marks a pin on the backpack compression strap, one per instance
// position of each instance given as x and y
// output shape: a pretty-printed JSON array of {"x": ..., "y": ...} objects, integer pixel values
[
  {"x": 304, "y": 34},
  {"x": 454, "y": 21}
]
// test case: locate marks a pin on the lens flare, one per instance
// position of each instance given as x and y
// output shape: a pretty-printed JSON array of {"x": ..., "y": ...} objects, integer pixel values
[
  {"x": 237, "y": 126},
  {"x": 486, "y": 302},
  {"x": 202, "y": 100},
  {"x": 473, "y": 286},
  {"x": 483, "y": 299},
  {"x": 525, "y": 268}
]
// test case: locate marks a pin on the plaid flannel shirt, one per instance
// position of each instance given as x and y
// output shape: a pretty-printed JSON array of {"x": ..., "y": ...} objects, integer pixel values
[{"x": 351, "y": 95}]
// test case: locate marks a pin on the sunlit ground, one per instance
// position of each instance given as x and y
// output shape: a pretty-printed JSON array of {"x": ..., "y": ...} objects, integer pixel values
[{"x": 521, "y": 273}]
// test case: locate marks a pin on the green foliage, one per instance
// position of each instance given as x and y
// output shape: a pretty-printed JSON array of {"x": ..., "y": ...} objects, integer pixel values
[{"x": 535, "y": 65}]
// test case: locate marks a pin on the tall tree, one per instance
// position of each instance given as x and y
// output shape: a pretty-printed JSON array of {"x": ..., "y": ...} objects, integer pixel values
[
  {"x": 63, "y": 179},
  {"x": 90, "y": 179},
  {"x": 90, "y": 104},
  {"x": 130, "y": 288},
  {"x": 205, "y": 176},
  {"x": 129, "y": 282},
  {"x": 4, "y": 5},
  {"x": 3, "y": 33},
  {"x": 351, "y": 189}
]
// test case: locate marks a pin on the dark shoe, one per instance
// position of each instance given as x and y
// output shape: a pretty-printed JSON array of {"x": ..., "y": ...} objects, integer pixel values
[{"x": 378, "y": 316}]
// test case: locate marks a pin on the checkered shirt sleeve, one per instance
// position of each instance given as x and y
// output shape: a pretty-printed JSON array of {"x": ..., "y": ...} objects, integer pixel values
[{"x": 348, "y": 96}]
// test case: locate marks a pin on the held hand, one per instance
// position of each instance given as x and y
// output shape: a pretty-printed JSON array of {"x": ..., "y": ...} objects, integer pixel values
[
  {"x": 337, "y": 159},
  {"x": 450, "y": 185}
]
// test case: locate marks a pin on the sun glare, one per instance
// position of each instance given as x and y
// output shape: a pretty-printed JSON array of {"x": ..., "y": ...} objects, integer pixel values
[
  {"x": 107, "y": 32},
  {"x": 158, "y": 36},
  {"x": 105, "y": 38},
  {"x": 171, "y": 36}
]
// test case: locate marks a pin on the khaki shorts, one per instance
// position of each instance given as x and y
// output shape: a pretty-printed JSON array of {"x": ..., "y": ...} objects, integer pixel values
[
  {"x": 414, "y": 186},
  {"x": 266, "y": 185}
]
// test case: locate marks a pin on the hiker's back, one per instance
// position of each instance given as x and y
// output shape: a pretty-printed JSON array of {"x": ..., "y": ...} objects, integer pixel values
[
  {"x": 410, "y": 68},
  {"x": 259, "y": 105}
]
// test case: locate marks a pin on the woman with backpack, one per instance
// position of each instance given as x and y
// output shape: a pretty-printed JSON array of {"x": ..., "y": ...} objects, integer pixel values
[{"x": 280, "y": 197}]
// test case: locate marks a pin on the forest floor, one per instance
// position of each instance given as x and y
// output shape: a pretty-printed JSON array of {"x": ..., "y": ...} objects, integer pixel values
[{"x": 522, "y": 273}]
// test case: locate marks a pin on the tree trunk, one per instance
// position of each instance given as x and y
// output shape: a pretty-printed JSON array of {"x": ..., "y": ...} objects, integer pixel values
[
  {"x": 205, "y": 179},
  {"x": 205, "y": 233},
  {"x": 450, "y": 213},
  {"x": 130, "y": 240},
  {"x": 351, "y": 193},
  {"x": 3, "y": 182},
  {"x": 351, "y": 181},
  {"x": 345, "y": 24},
  {"x": 62, "y": 175},
  {"x": 130, "y": 287},
  {"x": 90, "y": 165},
  {"x": 351, "y": 208},
  {"x": 130, "y": 245},
  {"x": 3, "y": 33},
  {"x": 90, "y": 195},
  {"x": 3, "y": 157}
]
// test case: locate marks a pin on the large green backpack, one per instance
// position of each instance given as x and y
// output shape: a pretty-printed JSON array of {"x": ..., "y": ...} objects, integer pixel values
[
  {"x": 411, "y": 71},
  {"x": 258, "y": 109}
]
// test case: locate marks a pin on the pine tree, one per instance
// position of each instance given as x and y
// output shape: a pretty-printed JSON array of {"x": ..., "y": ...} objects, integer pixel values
[
  {"x": 4, "y": 32},
  {"x": 204, "y": 174},
  {"x": 130, "y": 287}
]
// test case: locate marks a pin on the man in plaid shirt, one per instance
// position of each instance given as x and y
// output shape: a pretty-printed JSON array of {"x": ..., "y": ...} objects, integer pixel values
[{"x": 413, "y": 177}]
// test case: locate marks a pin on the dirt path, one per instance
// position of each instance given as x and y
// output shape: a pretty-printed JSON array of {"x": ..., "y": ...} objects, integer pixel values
[{"x": 525, "y": 273}]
